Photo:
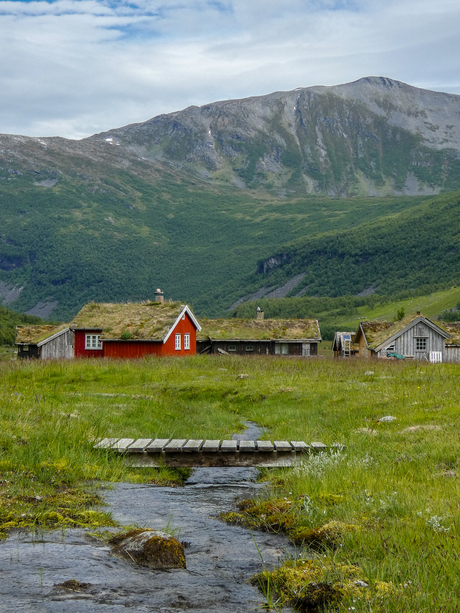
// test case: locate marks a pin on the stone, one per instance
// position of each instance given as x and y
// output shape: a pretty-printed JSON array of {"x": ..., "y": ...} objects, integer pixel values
[
  {"x": 387, "y": 418},
  {"x": 368, "y": 373},
  {"x": 151, "y": 548}
]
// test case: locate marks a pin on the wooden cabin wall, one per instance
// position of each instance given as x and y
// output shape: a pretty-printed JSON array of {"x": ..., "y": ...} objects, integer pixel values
[
  {"x": 452, "y": 354},
  {"x": 61, "y": 347},
  {"x": 406, "y": 343}
]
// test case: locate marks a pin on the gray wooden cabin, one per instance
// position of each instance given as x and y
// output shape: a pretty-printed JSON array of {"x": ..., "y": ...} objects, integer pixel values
[
  {"x": 45, "y": 342},
  {"x": 413, "y": 337}
]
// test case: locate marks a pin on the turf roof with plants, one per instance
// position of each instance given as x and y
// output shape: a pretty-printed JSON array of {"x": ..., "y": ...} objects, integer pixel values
[
  {"x": 36, "y": 333},
  {"x": 259, "y": 329},
  {"x": 145, "y": 320}
]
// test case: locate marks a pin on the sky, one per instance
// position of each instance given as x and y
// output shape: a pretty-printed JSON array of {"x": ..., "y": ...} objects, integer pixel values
[{"x": 73, "y": 68}]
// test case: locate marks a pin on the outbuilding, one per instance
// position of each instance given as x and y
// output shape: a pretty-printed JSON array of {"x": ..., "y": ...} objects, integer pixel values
[
  {"x": 45, "y": 342},
  {"x": 414, "y": 337}
]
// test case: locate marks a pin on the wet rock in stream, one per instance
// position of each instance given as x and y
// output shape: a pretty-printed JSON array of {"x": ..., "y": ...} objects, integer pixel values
[
  {"x": 151, "y": 548},
  {"x": 221, "y": 558}
]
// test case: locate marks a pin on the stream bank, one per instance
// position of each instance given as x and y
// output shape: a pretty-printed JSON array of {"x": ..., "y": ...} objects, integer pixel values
[{"x": 221, "y": 558}]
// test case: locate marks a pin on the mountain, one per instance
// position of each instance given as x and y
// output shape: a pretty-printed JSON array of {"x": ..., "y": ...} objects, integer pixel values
[
  {"x": 375, "y": 136},
  {"x": 114, "y": 216}
]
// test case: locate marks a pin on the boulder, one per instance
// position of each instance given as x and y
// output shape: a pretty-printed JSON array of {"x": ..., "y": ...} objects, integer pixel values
[{"x": 151, "y": 548}]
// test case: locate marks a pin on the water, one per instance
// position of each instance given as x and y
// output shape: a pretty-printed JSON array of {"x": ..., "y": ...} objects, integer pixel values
[{"x": 220, "y": 558}]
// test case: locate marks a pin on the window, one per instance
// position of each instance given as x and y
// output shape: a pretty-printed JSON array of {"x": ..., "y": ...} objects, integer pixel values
[
  {"x": 249, "y": 348},
  {"x": 282, "y": 349},
  {"x": 187, "y": 342},
  {"x": 231, "y": 348},
  {"x": 93, "y": 341},
  {"x": 178, "y": 343},
  {"x": 391, "y": 348},
  {"x": 420, "y": 344}
]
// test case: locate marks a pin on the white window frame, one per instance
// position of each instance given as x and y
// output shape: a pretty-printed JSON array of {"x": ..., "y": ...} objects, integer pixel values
[
  {"x": 93, "y": 342},
  {"x": 186, "y": 342},
  {"x": 249, "y": 348},
  {"x": 231, "y": 348},
  {"x": 178, "y": 342}
]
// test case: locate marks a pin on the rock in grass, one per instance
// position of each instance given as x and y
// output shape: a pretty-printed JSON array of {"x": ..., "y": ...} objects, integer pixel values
[
  {"x": 151, "y": 548},
  {"x": 387, "y": 418}
]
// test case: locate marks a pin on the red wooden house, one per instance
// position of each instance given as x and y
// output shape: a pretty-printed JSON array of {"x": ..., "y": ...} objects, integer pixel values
[{"x": 135, "y": 330}]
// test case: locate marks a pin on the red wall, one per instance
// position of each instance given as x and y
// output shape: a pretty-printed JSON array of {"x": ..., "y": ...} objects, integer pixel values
[
  {"x": 131, "y": 349},
  {"x": 184, "y": 326},
  {"x": 80, "y": 351}
]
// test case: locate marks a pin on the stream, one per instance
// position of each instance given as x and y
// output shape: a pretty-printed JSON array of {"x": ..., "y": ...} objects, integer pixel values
[{"x": 220, "y": 558}]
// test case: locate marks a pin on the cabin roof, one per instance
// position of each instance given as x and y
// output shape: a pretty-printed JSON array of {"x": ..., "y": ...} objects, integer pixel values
[
  {"x": 34, "y": 334},
  {"x": 259, "y": 329},
  {"x": 378, "y": 332},
  {"x": 453, "y": 328},
  {"x": 136, "y": 321}
]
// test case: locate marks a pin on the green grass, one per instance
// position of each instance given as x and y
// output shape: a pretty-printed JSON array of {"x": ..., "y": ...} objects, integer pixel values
[{"x": 396, "y": 483}]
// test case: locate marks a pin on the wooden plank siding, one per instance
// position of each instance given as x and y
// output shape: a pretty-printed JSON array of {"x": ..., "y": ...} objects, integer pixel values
[
  {"x": 452, "y": 354},
  {"x": 405, "y": 344},
  {"x": 60, "y": 347}
]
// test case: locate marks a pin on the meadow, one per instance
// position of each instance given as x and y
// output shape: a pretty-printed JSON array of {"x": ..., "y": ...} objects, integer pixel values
[{"x": 376, "y": 525}]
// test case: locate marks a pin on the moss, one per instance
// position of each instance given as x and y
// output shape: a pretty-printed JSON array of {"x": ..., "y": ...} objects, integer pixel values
[
  {"x": 311, "y": 585},
  {"x": 327, "y": 536},
  {"x": 269, "y": 515},
  {"x": 149, "y": 548}
]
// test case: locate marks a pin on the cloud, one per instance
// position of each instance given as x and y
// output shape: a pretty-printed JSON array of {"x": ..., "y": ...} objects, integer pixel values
[{"x": 72, "y": 68}]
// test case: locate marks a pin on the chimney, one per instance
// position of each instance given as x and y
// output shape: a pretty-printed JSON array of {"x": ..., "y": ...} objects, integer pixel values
[
  {"x": 159, "y": 296},
  {"x": 259, "y": 314},
  {"x": 418, "y": 312}
]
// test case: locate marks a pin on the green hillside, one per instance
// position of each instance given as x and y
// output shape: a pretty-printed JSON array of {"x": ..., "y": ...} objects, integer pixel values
[
  {"x": 77, "y": 228},
  {"x": 401, "y": 252}
]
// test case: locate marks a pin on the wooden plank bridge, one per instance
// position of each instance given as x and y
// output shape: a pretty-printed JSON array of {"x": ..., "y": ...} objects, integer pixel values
[{"x": 194, "y": 453}]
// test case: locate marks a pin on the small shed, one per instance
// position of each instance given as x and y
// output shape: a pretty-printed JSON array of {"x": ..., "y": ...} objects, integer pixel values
[
  {"x": 452, "y": 348},
  {"x": 412, "y": 337},
  {"x": 342, "y": 345},
  {"x": 45, "y": 342},
  {"x": 135, "y": 330},
  {"x": 287, "y": 337}
]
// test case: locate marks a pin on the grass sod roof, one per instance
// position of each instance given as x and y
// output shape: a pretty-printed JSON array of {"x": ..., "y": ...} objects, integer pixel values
[
  {"x": 133, "y": 321},
  {"x": 31, "y": 335},
  {"x": 377, "y": 332},
  {"x": 259, "y": 329},
  {"x": 452, "y": 328}
]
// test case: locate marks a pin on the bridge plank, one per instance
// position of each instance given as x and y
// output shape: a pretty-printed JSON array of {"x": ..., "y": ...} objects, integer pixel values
[
  {"x": 282, "y": 446},
  {"x": 247, "y": 446},
  {"x": 175, "y": 445},
  {"x": 193, "y": 445},
  {"x": 106, "y": 443},
  {"x": 123, "y": 444},
  {"x": 211, "y": 446},
  {"x": 229, "y": 446},
  {"x": 317, "y": 447},
  {"x": 265, "y": 446},
  {"x": 157, "y": 445},
  {"x": 300, "y": 447},
  {"x": 139, "y": 445}
]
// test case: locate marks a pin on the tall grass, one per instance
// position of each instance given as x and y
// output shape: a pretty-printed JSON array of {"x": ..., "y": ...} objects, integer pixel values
[{"x": 396, "y": 481}]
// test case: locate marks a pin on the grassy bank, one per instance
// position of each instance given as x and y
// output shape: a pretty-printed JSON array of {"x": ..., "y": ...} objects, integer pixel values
[{"x": 382, "y": 518}]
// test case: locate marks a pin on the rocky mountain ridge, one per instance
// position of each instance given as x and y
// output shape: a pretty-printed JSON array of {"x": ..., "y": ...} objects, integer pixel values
[{"x": 376, "y": 136}]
